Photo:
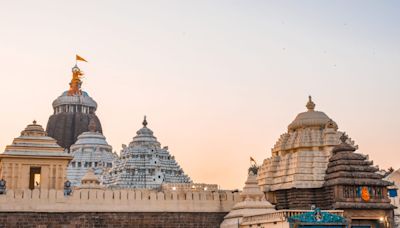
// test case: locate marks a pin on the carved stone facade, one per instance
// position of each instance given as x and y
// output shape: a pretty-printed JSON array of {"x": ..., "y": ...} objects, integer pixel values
[
  {"x": 144, "y": 164},
  {"x": 296, "y": 170},
  {"x": 353, "y": 185},
  {"x": 90, "y": 151}
]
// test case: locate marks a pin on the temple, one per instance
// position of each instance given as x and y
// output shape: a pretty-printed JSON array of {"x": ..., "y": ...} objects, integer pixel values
[
  {"x": 90, "y": 151},
  {"x": 352, "y": 184},
  {"x": 294, "y": 176},
  {"x": 69, "y": 176},
  {"x": 316, "y": 179},
  {"x": 73, "y": 111},
  {"x": 144, "y": 164},
  {"x": 34, "y": 161}
]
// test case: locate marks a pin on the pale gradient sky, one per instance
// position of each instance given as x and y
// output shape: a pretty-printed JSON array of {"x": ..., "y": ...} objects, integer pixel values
[{"x": 218, "y": 80}]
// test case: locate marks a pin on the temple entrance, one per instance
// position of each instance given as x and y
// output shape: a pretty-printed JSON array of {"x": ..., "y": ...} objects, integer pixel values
[{"x": 34, "y": 177}]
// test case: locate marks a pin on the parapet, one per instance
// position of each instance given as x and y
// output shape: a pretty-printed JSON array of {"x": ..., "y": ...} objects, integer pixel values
[{"x": 125, "y": 200}]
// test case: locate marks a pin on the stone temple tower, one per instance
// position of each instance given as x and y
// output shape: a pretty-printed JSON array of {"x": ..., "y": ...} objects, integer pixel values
[{"x": 73, "y": 111}]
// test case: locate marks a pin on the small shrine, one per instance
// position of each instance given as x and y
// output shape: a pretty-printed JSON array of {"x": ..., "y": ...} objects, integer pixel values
[
  {"x": 252, "y": 202},
  {"x": 90, "y": 181},
  {"x": 34, "y": 161},
  {"x": 352, "y": 184}
]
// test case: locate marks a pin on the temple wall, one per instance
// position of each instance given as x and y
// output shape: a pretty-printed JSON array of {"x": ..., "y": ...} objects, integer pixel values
[
  {"x": 112, "y": 219},
  {"x": 301, "y": 198},
  {"x": 99, "y": 200}
]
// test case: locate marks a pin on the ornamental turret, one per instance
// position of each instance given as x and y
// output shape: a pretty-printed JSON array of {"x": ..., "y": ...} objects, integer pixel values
[{"x": 73, "y": 111}]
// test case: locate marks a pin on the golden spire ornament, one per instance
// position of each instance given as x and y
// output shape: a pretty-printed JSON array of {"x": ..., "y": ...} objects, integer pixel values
[{"x": 76, "y": 81}]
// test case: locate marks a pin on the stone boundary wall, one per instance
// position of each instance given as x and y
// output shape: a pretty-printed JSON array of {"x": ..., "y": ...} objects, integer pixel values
[
  {"x": 111, "y": 219},
  {"x": 99, "y": 200}
]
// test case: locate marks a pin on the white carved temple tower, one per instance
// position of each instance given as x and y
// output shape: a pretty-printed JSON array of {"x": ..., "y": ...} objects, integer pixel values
[{"x": 144, "y": 164}]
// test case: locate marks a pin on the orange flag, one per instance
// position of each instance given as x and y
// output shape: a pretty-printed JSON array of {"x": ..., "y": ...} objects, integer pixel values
[
  {"x": 78, "y": 58},
  {"x": 252, "y": 160}
]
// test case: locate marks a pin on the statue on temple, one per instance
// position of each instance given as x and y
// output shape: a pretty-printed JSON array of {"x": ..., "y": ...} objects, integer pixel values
[
  {"x": 2, "y": 186},
  {"x": 75, "y": 84},
  {"x": 72, "y": 112},
  {"x": 67, "y": 188},
  {"x": 253, "y": 166}
]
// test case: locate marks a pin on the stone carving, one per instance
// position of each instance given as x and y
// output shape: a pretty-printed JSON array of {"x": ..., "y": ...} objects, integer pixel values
[
  {"x": 67, "y": 188},
  {"x": 3, "y": 186},
  {"x": 144, "y": 164}
]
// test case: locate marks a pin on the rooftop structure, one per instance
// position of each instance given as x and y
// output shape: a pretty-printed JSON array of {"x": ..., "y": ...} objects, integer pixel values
[
  {"x": 144, "y": 164},
  {"x": 252, "y": 202},
  {"x": 90, "y": 181},
  {"x": 73, "y": 111},
  {"x": 90, "y": 151},
  {"x": 34, "y": 161}
]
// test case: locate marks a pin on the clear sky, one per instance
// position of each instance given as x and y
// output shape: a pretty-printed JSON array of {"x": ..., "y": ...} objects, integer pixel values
[{"x": 218, "y": 80}]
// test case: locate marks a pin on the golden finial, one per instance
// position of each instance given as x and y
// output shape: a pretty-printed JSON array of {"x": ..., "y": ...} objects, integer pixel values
[
  {"x": 310, "y": 104},
  {"x": 76, "y": 82}
]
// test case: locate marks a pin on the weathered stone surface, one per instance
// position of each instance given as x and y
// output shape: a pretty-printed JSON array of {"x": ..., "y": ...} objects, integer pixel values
[
  {"x": 65, "y": 127},
  {"x": 110, "y": 219}
]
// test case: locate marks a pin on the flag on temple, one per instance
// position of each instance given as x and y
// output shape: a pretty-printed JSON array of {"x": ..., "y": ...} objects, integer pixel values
[
  {"x": 252, "y": 160},
  {"x": 78, "y": 58}
]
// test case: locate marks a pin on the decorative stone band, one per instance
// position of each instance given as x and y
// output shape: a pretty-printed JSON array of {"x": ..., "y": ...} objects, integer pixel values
[
  {"x": 278, "y": 216},
  {"x": 98, "y": 200}
]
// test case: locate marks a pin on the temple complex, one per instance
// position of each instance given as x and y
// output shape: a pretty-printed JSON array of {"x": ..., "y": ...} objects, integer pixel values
[
  {"x": 90, "y": 151},
  {"x": 34, "y": 161},
  {"x": 294, "y": 176},
  {"x": 144, "y": 164},
  {"x": 73, "y": 111}
]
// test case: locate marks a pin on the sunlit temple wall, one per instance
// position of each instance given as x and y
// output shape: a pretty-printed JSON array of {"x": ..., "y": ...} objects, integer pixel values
[
  {"x": 34, "y": 161},
  {"x": 116, "y": 207}
]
